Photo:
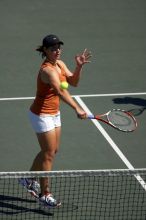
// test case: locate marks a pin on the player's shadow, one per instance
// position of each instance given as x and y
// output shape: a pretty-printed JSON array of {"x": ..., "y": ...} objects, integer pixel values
[
  {"x": 10, "y": 205},
  {"x": 135, "y": 101}
]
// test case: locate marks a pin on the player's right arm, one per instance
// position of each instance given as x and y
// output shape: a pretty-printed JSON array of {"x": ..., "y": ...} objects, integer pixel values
[{"x": 49, "y": 76}]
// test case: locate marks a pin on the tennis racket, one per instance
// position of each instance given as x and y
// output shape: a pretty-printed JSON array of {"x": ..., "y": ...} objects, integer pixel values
[{"x": 117, "y": 118}]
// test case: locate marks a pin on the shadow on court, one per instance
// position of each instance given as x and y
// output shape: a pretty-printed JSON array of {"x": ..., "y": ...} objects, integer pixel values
[
  {"x": 12, "y": 206},
  {"x": 8, "y": 208},
  {"x": 135, "y": 101}
]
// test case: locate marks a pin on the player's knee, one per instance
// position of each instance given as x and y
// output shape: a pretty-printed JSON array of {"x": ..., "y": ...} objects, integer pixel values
[{"x": 49, "y": 155}]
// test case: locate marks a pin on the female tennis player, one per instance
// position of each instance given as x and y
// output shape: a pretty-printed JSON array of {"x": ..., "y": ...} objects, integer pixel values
[{"x": 45, "y": 114}]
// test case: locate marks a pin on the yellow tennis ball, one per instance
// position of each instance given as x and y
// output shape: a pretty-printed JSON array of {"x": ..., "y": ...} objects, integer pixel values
[{"x": 64, "y": 85}]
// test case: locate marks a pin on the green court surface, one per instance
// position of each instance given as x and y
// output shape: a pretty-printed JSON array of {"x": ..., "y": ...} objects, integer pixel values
[{"x": 114, "y": 31}]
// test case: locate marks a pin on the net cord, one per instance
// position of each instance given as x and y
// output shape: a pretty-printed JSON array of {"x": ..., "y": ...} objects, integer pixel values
[
  {"x": 76, "y": 173},
  {"x": 72, "y": 173}
]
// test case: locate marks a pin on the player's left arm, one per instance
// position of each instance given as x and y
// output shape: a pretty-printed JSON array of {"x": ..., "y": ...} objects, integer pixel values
[{"x": 74, "y": 77}]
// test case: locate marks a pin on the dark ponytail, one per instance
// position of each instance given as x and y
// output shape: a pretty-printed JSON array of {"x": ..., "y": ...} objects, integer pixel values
[{"x": 40, "y": 49}]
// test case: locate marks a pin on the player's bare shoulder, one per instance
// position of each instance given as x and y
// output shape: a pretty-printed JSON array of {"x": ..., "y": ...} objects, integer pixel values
[
  {"x": 45, "y": 73},
  {"x": 61, "y": 63}
]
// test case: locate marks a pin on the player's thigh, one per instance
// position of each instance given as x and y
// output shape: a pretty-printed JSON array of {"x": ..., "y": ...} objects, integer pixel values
[
  {"x": 49, "y": 141},
  {"x": 58, "y": 135}
]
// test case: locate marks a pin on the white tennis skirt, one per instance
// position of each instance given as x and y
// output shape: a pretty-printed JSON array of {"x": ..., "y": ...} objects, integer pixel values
[{"x": 44, "y": 123}]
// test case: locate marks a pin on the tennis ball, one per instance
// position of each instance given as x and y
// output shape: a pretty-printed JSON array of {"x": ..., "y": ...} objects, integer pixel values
[{"x": 64, "y": 85}]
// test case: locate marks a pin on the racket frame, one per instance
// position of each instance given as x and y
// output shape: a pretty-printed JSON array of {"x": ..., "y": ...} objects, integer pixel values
[{"x": 99, "y": 117}]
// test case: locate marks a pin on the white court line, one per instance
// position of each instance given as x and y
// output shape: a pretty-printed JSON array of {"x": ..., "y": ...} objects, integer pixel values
[
  {"x": 87, "y": 95},
  {"x": 16, "y": 98},
  {"x": 111, "y": 142},
  {"x": 112, "y": 94}
]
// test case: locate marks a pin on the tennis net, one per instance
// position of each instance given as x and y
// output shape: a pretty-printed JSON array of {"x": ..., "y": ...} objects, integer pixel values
[{"x": 85, "y": 195}]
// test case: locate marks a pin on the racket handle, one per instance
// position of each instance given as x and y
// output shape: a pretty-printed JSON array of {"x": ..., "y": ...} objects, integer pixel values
[{"x": 91, "y": 117}]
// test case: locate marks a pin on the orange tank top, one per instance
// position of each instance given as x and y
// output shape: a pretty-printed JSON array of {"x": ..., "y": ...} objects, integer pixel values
[{"x": 46, "y": 100}]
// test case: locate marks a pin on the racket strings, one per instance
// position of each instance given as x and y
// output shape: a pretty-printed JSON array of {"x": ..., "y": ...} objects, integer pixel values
[{"x": 122, "y": 120}]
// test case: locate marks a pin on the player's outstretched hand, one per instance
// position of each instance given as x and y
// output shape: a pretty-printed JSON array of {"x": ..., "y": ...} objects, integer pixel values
[{"x": 83, "y": 58}]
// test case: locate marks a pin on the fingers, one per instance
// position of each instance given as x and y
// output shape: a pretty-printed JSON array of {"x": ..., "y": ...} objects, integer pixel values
[
  {"x": 82, "y": 116},
  {"x": 87, "y": 54},
  {"x": 85, "y": 51},
  {"x": 83, "y": 58}
]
